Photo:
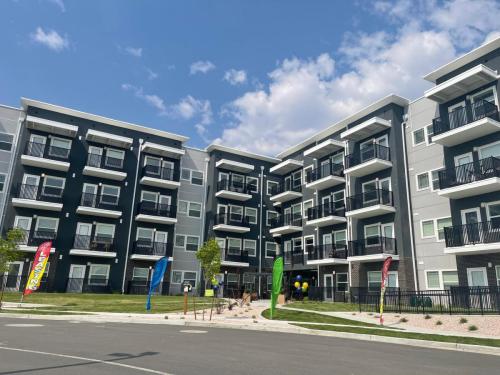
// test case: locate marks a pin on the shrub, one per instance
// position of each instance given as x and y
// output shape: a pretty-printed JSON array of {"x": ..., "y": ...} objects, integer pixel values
[
  {"x": 462, "y": 321},
  {"x": 427, "y": 316},
  {"x": 438, "y": 323},
  {"x": 472, "y": 328},
  {"x": 403, "y": 320}
]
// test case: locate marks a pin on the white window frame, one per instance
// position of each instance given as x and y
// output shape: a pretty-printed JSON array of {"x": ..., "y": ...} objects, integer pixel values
[
  {"x": 437, "y": 230},
  {"x": 122, "y": 152},
  {"x": 256, "y": 213},
  {"x": 479, "y": 149},
  {"x": 268, "y": 185},
  {"x": 186, "y": 242},
  {"x": 247, "y": 178},
  {"x": 11, "y": 143},
  {"x": 254, "y": 247},
  {"x": 188, "y": 208},
  {"x": 276, "y": 249},
  {"x": 433, "y": 221},
  {"x": 487, "y": 209},
  {"x": 497, "y": 274},
  {"x": 417, "y": 175},
  {"x": 441, "y": 282},
  {"x": 426, "y": 127},
  {"x": 304, "y": 172},
  {"x": 182, "y": 272},
  {"x": 431, "y": 185},
  {"x": 141, "y": 268},
  {"x": 228, "y": 245},
  {"x": 190, "y": 179},
  {"x": 413, "y": 136},
  {"x": 493, "y": 87},
  {"x": 110, "y": 186},
  {"x": 37, "y": 224},
  {"x": 337, "y": 283},
  {"x": 304, "y": 244},
  {"x": 304, "y": 204},
  {"x": 44, "y": 184},
  {"x": 268, "y": 224},
  {"x": 107, "y": 266},
  {"x": 60, "y": 139}
]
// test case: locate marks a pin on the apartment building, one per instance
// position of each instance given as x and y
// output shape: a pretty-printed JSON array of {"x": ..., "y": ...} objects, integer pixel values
[{"x": 415, "y": 181}]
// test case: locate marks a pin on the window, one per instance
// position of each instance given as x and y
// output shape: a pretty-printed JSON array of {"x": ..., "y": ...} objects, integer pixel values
[
  {"x": 59, "y": 147},
  {"x": 114, "y": 158},
  {"x": 6, "y": 141},
  {"x": 53, "y": 186},
  {"x": 140, "y": 274},
  {"x": 249, "y": 281},
  {"x": 251, "y": 215},
  {"x": 46, "y": 226},
  {"x": 441, "y": 279},
  {"x": 154, "y": 163},
  {"x": 493, "y": 214},
  {"x": 372, "y": 233},
  {"x": 144, "y": 237},
  {"x": 271, "y": 249},
  {"x": 306, "y": 206},
  {"x": 185, "y": 174},
  {"x": 296, "y": 211},
  {"x": 104, "y": 232},
  {"x": 233, "y": 280},
  {"x": 253, "y": 184},
  {"x": 342, "y": 282},
  {"x": 435, "y": 180},
  {"x": 98, "y": 274},
  {"x": 297, "y": 179},
  {"x": 272, "y": 187},
  {"x": 221, "y": 242},
  {"x": 180, "y": 240},
  {"x": 149, "y": 196},
  {"x": 338, "y": 199},
  {"x": 190, "y": 277},
  {"x": 375, "y": 280},
  {"x": 233, "y": 246},
  {"x": 307, "y": 173},
  {"x": 110, "y": 194},
  {"x": 188, "y": 243},
  {"x": 427, "y": 228},
  {"x": 182, "y": 207},
  {"x": 2, "y": 181},
  {"x": 433, "y": 280},
  {"x": 429, "y": 129},
  {"x": 340, "y": 238},
  {"x": 450, "y": 278},
  {"x": 270, "y": 216},
  {"x": 194, "y": 209},
  {"x": 236, "y": 213},
  {"x": 423, "y": 181},
  {"x": 251, "y": 247},
  {"x": 418, "y": 136},
  {"x": 196, "y": 178},
  {"x": 440, "y": 225},
  {"x": 497, "y": 270},
  {"x": 176, "y": 277}
]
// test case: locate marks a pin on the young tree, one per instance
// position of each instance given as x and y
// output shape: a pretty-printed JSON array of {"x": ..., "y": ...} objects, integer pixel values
[
  {"x": 9, "y": 252},
  {"x": 209, "y": 257}
]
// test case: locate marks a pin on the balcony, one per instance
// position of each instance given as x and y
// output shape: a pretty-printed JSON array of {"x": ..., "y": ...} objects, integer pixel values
[
  {"x": 231, "y": 223},
  {"x": 38, "y": 197},
  {"x": 286, "y": 191},
  {"x": 235, "y": 166},
  {"x": 286, "y": 167},
  {"x": 369, "y": 204},
  {"x": 234, "y": 258},
  {"x": 285, "y": 224},
  {"x": 158, "y": 213},
  {"x": 104, "y": 167},
  {"x": 325, "y": 148},
  {"x": 150, "y": 250},
  {"x": 161, "y": 150},
  {"x": 462, "y": 84},
  {"x": 326, "y": 214},
  {"x": 108, "y": 139},
  {"x": 99, "y": 205},
  {"x": 99, "y": 246},
  {"x": 238, "y": 191},
  {"x": 32, "y": 239},
  {"x": 369, "y": 159},
  {"x": 366, "y": 129},
  {"x": 153, "y": 175},
  {"x": 294, "y": 258},
  {"x": 470, "y": 239},
  {"x": 326, "y": 176},
  {"x": 52, "y": 127},
  {"x": 465, "y": 124},
  {"x": 372, "y": 249},
  {"x": 327, "y": 254},
  {"x": 45, "y": 156},
  {"x": 467, "y": 180}
]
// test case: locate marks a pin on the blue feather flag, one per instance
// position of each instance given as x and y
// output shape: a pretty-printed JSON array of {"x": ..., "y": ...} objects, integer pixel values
[{"x": 158, "y": 273}]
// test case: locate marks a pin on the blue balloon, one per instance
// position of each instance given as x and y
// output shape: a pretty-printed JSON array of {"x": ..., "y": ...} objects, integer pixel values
[
  {"x": 299, "y": 277},
  {"x": 215, "y": 287}
]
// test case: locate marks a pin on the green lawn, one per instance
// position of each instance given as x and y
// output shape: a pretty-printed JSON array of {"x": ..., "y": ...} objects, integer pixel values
[
  {"x": 407, "y": 335},
  {"x": 300, "y": 316},
  {"x": 108, "y": 302},
  {"x": 324, "y": 306}
]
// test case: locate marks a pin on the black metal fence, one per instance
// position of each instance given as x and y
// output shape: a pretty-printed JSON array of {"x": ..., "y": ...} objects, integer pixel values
[
  {"x": 468, "y": 173},
  {"x": 14, "y": 283},
  {"x": 142, "y": 287}
]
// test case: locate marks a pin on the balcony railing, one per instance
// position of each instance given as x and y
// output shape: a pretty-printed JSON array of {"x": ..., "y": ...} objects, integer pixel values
[
  {"x": 465, "y": 115},
  {"x": 94, "y": 243},
  {"x": 103, "y": 201},
  {"x": 156, "y": 171},
  {"x": 470, "y": 172},
  {"x": 286, "y": 219},
  {"x": 14, "y": 283},
  {"x": 104, "y": 161},
  {"x": 372, "y": 246},
  {"x": 231, "y": 219},
  {"x": 325, "y": 210},
  {"x": 294, "y": 258},
  {"x": 156, "y": 209},
  {"x": 36, "y": 237},
  {"x": 285, "y": 186},
  {"x": 472, "y": 234},
  {"x": 369, "y": 198},
  {"x": 236, "y": 186},
  {"x": 42, "y": 150},
  {"x": 366, "y": 153},
  {"x": 328, "y": 251},
  {"x": 330, "y": 169},
  {"x": 148, "y": 247},
  {"x": 234, "y": 255},
  {"x": 40, "y": 193}
]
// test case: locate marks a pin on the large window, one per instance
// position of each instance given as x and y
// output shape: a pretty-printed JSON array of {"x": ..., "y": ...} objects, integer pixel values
[
  {"x": 178, "y": 277},
  {"x": 233, "y": 246},
  {"x": 423, "y": 181},
  {"x": 114, "y": 158},
  {"x": 418, "y": 136},
  {"x": 53, "y": 186},
  {"x": 46, "y": 227},
  {"x": 251, "y": 215},
  {"x": 140, "y": 274},
  {"x": 99, "y": 274},
  {"x": 59, "y": 147},
  {"x": 271, "y": 249},
  {"x": 375, "y": 280},
  {"x": 272, "y": 187},
  {"x": 440, "y": 225},
  {"x": 236, "y": 213},
  {"x": 427, "y": 228},
  {"x": 251, "y": 247},
  {"x": 110, "y": 194},
  {"x": 188, "y": 243},
  {"x": 191, "y": 209},
  {"x": 6, "y": 141},
  {"x": 270, "y": 215},
  {"x": 342, "y": 282},
  {"x": 195, "y": 177},
  {"x": 439, "y": 279},
  {"x": 253, "y": 184},
  {"x": 493, "y": 214}
]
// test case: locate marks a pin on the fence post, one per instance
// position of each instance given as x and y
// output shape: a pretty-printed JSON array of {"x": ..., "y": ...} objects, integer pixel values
[
  {"x": 449, "y": 300},
  {"x": 359, "y": 300},
  {"x": 399, "y": 300},
  {"x": 481, "y": 300}
]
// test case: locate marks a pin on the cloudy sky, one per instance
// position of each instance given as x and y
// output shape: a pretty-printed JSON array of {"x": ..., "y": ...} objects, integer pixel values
[{"x": 258, "y": 75}]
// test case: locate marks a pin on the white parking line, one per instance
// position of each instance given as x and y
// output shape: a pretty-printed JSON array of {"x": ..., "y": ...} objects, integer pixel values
[
  {"x": 192, "y": 331},
  {"x": 87, "y": 359},
  {"x": 27, "y": 325}
]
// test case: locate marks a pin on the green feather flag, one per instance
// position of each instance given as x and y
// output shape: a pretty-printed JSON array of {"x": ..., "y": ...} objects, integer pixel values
[{"x": 277, "y": 281}]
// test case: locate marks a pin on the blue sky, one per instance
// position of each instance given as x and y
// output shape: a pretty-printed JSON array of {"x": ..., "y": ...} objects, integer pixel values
[{"x": 260, "y": 75}]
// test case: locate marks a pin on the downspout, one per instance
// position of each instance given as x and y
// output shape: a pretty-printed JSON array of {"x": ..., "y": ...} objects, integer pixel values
[
  {"x": 349, "y": 220},
  {"x": 408, "y": 201},
  {"x": 204, "y": 211},
  {"x": 132, "y": 214},
  {"x": 260, "y": 223}
]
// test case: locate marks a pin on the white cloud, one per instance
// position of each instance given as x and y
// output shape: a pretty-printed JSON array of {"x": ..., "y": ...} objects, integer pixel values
[
  {"x": 201, "y": 67},
  {"x": 151, "y": 75},
  {"x": 136, "y": 52},
  {"x": 190, "y": 108},
  {"x": 235, "y": 77},
  {"x": 60, "y": 4},
  {"x": 50, "y": 38},
  {"x": 153, "y": 100}
]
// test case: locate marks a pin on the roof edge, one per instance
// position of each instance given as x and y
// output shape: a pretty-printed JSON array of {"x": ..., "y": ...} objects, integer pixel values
[{"x": 215, "y": 146}]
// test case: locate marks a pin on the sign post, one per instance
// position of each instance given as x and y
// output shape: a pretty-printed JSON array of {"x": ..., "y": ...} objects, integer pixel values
[{"x": 186, "y": 286}]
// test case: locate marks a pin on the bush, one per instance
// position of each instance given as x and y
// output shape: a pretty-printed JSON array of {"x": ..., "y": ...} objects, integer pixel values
[
  {"x": 438, "y": 323},
  {"x": 427, "y": 316},
  {"x": 403, "y": 320},
  {"x": 462, "y": 321},
  {"x": 472, "y": 328}
]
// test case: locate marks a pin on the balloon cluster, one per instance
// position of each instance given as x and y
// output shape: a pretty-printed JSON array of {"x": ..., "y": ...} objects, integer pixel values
[{"x": 299, "y": 285}]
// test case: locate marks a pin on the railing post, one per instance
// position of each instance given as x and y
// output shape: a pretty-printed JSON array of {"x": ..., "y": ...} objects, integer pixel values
[
  {"x": 481, "y": 300},
  {"x": 399, "y": 300}
]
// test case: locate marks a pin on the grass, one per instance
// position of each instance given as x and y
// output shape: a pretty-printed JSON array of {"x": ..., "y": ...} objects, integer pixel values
[
  {"x": 310, "y": 317},
  {"x": 118, "y": 303},
  {"x": 407, "y": 335},
  {"x": 324, "y": 306}
]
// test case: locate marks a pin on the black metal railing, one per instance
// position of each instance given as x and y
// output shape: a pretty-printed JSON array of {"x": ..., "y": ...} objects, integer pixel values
[
  {"x": 15, "y": 283},
  {"x": 231, "y": 219},
  {"x": 327, "y": 293},
  {"x": 369, "y": 198},
  {"x": 156, "y": 209},
  {"x": 40, "y": 192},
  {"x": 104, "y": 161},
  {"x": 36, "y": 237},
  {"x": 94, "y": 243},
  {"x": 88, "y": 285},
  {"x": 472, "y": 234},
  {"x": 236, "y": 186},
  {"x": 142, "y": 287},
  {"x": 327, "y": 209},
  {"x": 371, "y": 246},
  {"x": 42, "y": 150},
  {"x": 234, "y": 255},
  {"x": 294, "y": 257},
  {"x": 465, "y": 115},
  {"x": 103, "y": 201},
  {"x": 328, "y": 251},
  {"x": 366, "y": 153},
  {"x": 285, "y": 186},
  {"x": 154, "y": 248},
  {"x": 467, "y": 173},
  {"x": 329, "y": 169},
  {"x": 155, "y": 171},
  {"x": 286, "y": 219}
]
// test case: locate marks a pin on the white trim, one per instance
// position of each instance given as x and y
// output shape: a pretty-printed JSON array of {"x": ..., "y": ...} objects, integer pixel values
[
  {"x": 413, "y": 136},
  {"x": 161, "y": 150},
  {"x": 433, "y": 221},
  {"x": 268, "y": 182},
  {"x": 286, "y": 166},
  {"x": 256, "y": 213},
  {"x": 479, "y": 149},
  {"x": 236, "y": 166},
  {"x": 255, "y": 249},
  {"x": 265, "y": 249},
  {"x": 108, "y": 138},
  {"x": 483, "y": 269},
  {"x": 50, "y": 126},
  {"x": 428, "y": 181},
  {"x": 440, "y": 273}
]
